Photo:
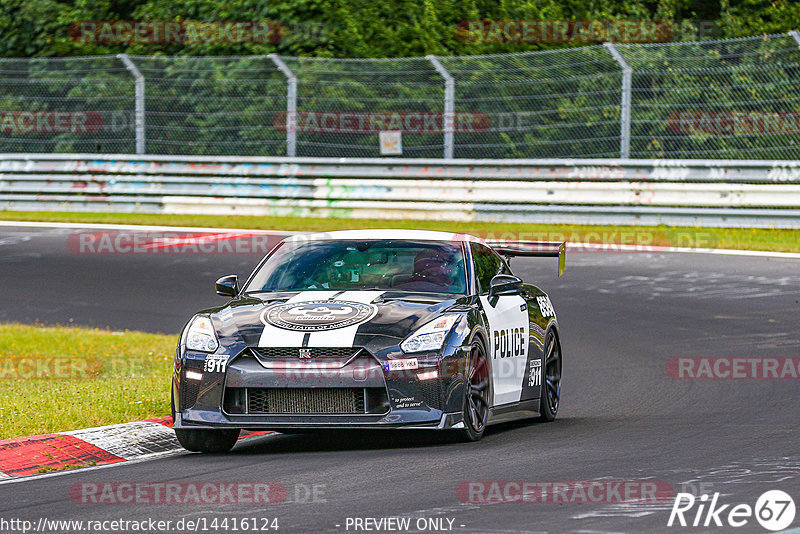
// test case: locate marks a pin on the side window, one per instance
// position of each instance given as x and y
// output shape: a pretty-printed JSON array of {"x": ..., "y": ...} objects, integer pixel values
[{"x": 487, "y": 264}]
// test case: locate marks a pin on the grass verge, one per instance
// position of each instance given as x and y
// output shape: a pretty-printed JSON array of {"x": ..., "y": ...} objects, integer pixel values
[
  {"x": 65, "y": 467},
  {"x": 776, "y": 240},
  {"x": 54, "y": 379}
]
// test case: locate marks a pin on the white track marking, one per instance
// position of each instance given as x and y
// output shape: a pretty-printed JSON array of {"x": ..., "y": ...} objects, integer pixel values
[
  {"x": 130, "y": 440},
  {"x": 655, "y": 250},
  {"x": 142, "y": 227}
]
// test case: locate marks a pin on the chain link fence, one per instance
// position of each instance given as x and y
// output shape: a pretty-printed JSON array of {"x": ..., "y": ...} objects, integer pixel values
[{"x": 734, "y": 99}]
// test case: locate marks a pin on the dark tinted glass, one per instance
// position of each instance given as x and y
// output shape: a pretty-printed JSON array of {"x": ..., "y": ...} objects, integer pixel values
[
  {"x": 487, "y": 265},
  {"x": 371, "y": 264}
]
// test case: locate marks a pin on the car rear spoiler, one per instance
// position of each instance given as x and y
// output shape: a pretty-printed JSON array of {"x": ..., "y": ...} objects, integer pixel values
[{"x": 533, "y": 249}]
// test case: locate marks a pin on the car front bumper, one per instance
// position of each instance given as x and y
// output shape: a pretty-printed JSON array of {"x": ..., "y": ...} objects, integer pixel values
[
  {"x": 402, "y": 421},
  {"x": 393, "y": 398}
]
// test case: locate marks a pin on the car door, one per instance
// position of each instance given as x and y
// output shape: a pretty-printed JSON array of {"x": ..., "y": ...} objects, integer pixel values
[{"x": 507, "y": 326}]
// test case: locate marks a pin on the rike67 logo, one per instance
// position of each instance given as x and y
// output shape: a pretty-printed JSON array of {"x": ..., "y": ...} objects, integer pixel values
[{"x": 774, "y": 510}]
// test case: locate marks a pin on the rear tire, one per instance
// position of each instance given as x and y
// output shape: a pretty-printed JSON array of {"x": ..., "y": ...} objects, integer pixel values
[
  {"x": 209, "y": 441},
  {"x": 476, "y": 395},
  {"x": 551, "y": 378}
]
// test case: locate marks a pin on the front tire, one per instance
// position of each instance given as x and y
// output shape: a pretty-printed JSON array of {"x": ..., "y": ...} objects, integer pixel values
[
  {"x": 209, "y": 441},
  {"x": 476, "y": 394}
]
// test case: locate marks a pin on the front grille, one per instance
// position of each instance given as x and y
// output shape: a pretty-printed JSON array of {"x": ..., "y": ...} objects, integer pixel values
[
  {"x": 273, "y": 353},
  {"x": 305, "y": 400}
]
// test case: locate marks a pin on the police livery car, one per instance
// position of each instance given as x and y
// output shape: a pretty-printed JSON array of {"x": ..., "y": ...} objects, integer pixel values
[{"x": 370, "y": 329}]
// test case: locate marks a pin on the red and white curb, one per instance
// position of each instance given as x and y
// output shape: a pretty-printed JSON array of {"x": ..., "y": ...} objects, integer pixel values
[{"x": 90, "y": 447}]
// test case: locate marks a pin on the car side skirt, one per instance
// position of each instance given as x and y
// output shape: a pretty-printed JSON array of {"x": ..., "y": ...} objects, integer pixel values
[{"x": 512, "y": 412}]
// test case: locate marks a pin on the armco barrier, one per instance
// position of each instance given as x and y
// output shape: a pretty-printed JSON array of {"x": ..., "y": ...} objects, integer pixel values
[{"x": 580, "y": 191}]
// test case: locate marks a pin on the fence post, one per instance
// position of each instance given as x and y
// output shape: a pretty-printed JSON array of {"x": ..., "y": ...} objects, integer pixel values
[
  {"x": 449, "y": 118},
  {"x": 625, "y": 106},
  {"x": 796, "y": 36},
  {"x": 139, "y": 104},
  {"x": 291, "y": 104}
]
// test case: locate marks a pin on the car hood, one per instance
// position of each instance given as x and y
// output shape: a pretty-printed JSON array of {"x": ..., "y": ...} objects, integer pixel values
[{"x": 270, "y": 319}]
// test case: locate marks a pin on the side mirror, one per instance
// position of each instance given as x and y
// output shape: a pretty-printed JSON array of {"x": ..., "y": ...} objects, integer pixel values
[
  {"x": 504, "y": 284},
  {"x": 228, "y": 286}
]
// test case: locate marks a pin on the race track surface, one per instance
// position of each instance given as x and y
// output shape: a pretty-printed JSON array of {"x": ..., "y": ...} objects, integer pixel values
[{"x": 623, "y": 316}]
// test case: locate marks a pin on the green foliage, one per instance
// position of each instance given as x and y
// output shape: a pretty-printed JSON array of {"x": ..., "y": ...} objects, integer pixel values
[
  {"x": 31, "y": 28},
  {"x": 361, "y": 28}
]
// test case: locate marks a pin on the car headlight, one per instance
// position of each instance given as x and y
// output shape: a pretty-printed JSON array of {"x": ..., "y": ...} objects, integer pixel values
[
  {"x": 430, "y": 336},
  {"x": 201, "y": 335}
]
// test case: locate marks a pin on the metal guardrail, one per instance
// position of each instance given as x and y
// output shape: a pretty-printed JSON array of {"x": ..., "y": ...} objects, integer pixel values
[
  {"x": 580, "y": 191},
  {"x": 733, "y": 99}
]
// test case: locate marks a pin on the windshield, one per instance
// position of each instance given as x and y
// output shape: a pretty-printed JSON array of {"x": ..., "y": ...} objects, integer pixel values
[{"x": 365, "y": 264}]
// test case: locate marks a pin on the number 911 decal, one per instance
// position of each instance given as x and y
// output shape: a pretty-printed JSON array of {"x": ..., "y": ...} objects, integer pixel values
[{"x": 215, "y": 363}]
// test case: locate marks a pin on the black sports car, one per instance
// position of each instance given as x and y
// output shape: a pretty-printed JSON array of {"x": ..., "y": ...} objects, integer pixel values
[{"x": 370, "y": 329}]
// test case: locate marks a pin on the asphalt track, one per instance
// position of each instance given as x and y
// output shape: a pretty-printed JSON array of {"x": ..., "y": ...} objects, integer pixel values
[{"x": 622, "y": 418}]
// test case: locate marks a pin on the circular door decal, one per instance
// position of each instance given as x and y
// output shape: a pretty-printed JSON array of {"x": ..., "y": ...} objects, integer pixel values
[{"x": 317, "y": 315}]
